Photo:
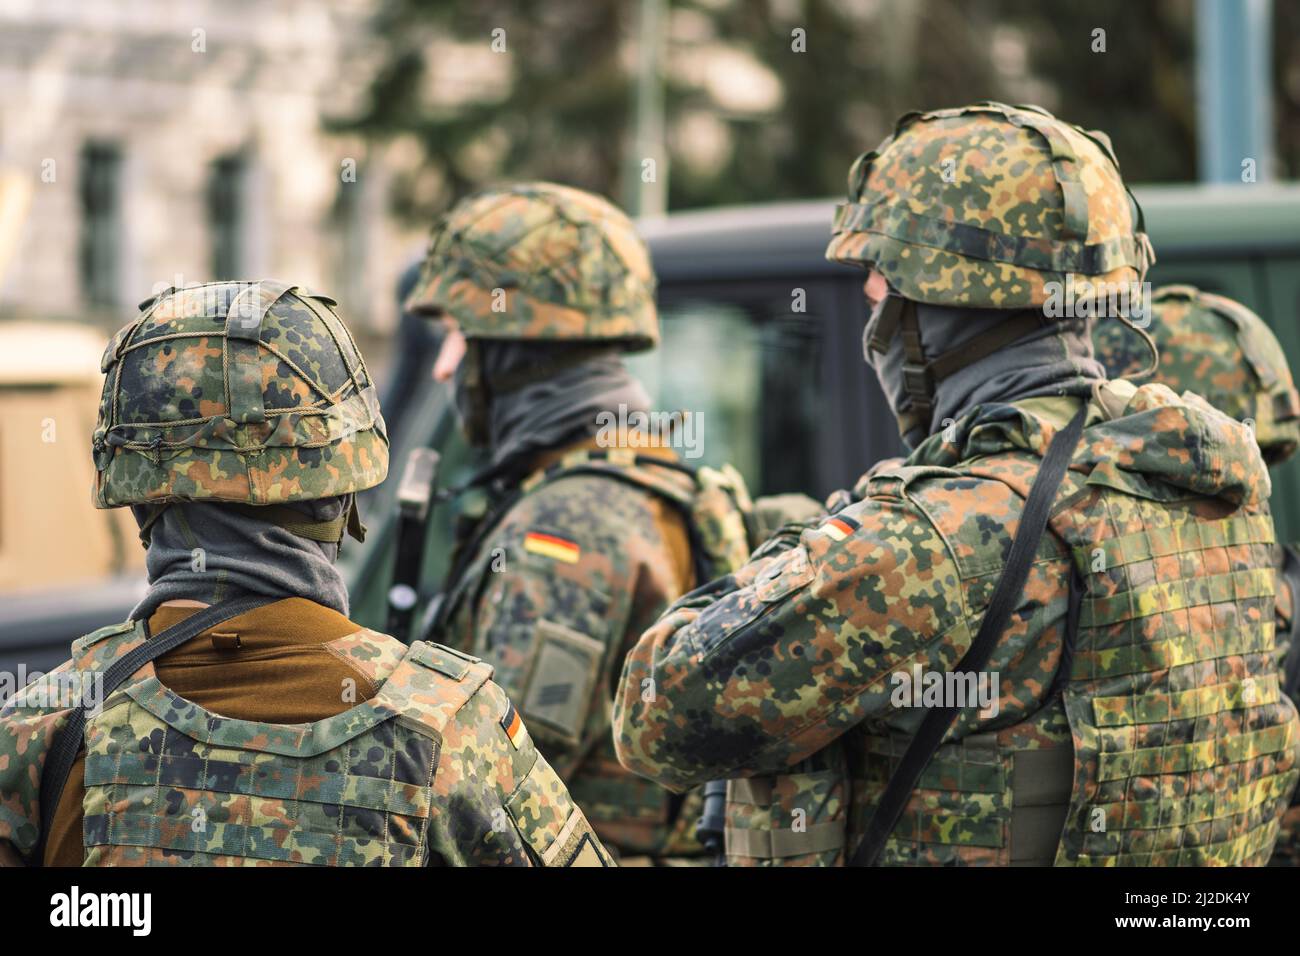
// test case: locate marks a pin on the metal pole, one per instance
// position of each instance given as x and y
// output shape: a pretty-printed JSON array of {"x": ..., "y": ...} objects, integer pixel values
[
  {"x": 1234, "y": 92},
  {"x": 645, "y": 184}
]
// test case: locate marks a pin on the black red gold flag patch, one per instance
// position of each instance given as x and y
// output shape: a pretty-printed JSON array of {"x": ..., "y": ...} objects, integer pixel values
[
  {"x": 840, "y": 527},
  {"x": 551, "y": 546},
  {"x": 512, "y": 724}
]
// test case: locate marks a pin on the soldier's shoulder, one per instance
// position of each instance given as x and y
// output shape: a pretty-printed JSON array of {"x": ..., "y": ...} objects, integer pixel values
[
  {"x": 98, "y": 649},
  {"x": 432, "y": 683},
  {"x": 575, "y": 520},
  {"x": 927, "y": 509}
]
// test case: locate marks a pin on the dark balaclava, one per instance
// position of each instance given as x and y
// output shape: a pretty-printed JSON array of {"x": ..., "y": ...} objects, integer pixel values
[
  {"x": 1054, "y": 359},
  {"x": 518, "y": 398},
  {"x": 211, "y": 552}
]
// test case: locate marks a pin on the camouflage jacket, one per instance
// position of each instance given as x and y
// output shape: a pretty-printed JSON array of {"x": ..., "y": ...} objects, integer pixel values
[
  {"x": 553, "y": 595},
  {"x": 435, "y": 769},
  {"x": 790, "y": 672}
]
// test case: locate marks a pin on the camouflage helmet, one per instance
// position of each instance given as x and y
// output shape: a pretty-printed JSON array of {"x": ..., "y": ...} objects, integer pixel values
[
  {"x": 540, "y": 261},
  {"x": 1220, "y": 350},
  {"x": 240, "y": 392},
  {"x": 983, "y": 205}
]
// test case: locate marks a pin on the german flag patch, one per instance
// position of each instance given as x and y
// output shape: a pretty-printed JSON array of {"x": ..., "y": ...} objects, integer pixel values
[
  {"x": 550, "y": 546},
  {"x": 512, "y": 724},
  {"x": 840, "y": 527}
]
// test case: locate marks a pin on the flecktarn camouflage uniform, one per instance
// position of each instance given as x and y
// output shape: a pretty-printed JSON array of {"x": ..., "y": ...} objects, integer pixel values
[
  {"x": 554, "y": 594},
  {"x": 254, "y": 394},
  {"x": 1161, "y": 739},
  {"x": 1224, "y": 352},
  {"x": 571, "y": 563},
  {"x": 435, "y": 769}
]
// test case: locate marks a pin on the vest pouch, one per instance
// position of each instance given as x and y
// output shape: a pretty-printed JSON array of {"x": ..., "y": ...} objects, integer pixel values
[{"x": 793, "y": 819}]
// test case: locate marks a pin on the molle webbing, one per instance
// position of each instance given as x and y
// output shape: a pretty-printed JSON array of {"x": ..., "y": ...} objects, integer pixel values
[
  {"x": 71, "y": 739},
  {"x": 352, "y": 789},
  {"x": 1187, "y": 749},
  {"x": 1006, "y": 598},
  {"x": 773, "y": 831},
  {"x": 980, "y": 800}
]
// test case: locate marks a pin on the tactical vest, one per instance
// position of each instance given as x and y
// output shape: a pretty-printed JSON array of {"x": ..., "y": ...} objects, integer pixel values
[
  {"x": 626, "y": 810},
  {"x": 170, "y": 783},
  {"x": 1164, "y": 741}
]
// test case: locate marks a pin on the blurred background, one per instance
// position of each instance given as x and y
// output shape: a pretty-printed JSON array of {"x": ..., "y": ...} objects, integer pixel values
[{"x": 146, "y": 143}]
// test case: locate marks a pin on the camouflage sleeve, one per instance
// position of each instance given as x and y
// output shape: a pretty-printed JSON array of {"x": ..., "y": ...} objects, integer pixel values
[
  {"x": 772, "y": 670},
  {"x": 500, "y": 803},
  {"x": 29, "y": 724},
  {"x": 582, "y": 572}
]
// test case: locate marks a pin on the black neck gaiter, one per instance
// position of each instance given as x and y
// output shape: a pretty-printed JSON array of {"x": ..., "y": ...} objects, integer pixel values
[
  {"x": 209, "y": 552},
  {"x": 1054, "y": 360},
  {"x": 558, "y": 408}
]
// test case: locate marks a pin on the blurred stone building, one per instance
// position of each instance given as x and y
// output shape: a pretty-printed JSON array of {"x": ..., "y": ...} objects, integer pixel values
[{"x": 157, "y": 142}]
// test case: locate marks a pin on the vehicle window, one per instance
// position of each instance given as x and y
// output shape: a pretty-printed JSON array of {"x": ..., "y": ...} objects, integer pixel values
[
  {"x": 747, "y": 370},
  {"x": 1230, "y": 277}
]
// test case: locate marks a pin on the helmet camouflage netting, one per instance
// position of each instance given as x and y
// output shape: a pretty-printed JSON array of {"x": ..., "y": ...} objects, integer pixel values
[{"x": 236, "y": 392}]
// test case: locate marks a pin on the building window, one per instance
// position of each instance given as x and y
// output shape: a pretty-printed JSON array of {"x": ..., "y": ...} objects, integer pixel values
[
  {"x": 227, "y": 186},
  {"x": 101, "y": 221}
]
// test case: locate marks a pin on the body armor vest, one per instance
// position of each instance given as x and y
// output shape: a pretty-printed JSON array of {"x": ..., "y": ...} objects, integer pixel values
[
  {"x": 170, "y": 783},
  {"x": 1164, "y": 740}
]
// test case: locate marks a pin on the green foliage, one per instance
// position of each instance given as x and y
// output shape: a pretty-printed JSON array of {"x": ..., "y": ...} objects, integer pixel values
[{"x": 566, "y": 112}]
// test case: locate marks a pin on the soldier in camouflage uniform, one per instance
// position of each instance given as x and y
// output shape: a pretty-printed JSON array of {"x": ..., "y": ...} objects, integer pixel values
[
  {"x": 1224, "y": 352},
  {"x": 253, "y": 722},
  {"x": 1134, "y": 713},
  {"x": 589, "y": 531}
]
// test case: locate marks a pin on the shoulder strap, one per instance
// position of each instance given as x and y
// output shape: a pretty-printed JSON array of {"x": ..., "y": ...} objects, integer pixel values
[
  {"x": 620, "y": 464},
  {"x": 937, "y": 721},
  {"x": 58, "y": 764}
]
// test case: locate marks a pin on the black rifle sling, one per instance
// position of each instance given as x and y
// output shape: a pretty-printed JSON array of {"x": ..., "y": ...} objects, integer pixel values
[
  {"x": 1006, "y": 597},
  {"x": 63, "y": 754}
]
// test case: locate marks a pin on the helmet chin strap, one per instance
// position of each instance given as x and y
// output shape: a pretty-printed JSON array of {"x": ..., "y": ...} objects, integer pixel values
[
  {"x": 898, "y": 316},
  {"x": 1153, "y": 364}
]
